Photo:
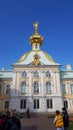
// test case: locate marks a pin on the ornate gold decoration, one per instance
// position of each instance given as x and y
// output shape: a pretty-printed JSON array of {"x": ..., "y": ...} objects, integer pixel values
[
  {"x": 48, "y": 57},
  {"x": 36, "y": 38},
  {"x": 24, "y": 57},
  {"x": 36, "y": 60}
]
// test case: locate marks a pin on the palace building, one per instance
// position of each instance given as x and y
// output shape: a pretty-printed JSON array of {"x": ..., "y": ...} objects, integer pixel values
[{"x": 36, "y": 81}]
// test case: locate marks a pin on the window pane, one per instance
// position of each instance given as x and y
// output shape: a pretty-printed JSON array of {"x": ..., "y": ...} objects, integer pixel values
[
  {"x": 6, "y": 104},
  {"x": 48, "y": 74},
  {"x": 36, "y": 74},
  {"x": 0, "y": 88},
  {"x": 36, "y": 87},
  {"x": 64, "y": 88},
  {"x": 23, "y": 87},
  {"x": 48, "y": 87},
  {"x": 34, "y": 104},
  {"x": 37, "y": 103},
  {"x": 65, "y": 104},
  {"x": 24, "y": 74},
  {"x": 49, "y": 103},
  {"x": 8, "y": 89},
  {"x": 71, "y": 88},
  {"x": 23, "y": 104}
]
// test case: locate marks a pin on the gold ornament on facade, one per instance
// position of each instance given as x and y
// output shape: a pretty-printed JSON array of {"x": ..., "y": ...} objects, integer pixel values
[
  {"x": 24, "y": 57},
  {"x": 49, "y": 57},
  {"x": 36, "y": 60}
]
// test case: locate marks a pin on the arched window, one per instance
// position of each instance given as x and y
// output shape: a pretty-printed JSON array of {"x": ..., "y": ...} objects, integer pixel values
[
  {"x": 24, "y": 74},
  {"x": 71, "y": 87},
  {"x": 7, "y": 88},
  {"x": 48, "y": 74},
  {"x": 36, "y": 87},
  {"x": 48, "y": 87},
  {"x": 64, "y": 88},
  {"x": 23, "y": 87}
]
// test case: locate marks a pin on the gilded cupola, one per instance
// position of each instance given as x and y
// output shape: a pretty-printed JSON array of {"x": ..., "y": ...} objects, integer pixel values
[{"x": 36, "y": 39}]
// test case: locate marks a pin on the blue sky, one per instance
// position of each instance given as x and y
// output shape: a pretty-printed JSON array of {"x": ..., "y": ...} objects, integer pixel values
[{"x": 55, "y": 19}]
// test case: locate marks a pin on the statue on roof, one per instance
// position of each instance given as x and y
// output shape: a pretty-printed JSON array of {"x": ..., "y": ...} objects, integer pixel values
[{"x": 36, "y": 27}]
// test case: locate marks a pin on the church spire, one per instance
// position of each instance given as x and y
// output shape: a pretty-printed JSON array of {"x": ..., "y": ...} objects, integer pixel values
[{"x": 36, "y": 39}]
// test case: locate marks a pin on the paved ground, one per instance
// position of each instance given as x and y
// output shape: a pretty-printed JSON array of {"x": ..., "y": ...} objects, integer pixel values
[{"x": 38, "y": 122}]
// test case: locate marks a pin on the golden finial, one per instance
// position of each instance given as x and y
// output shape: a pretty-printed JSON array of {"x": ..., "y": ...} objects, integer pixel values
[
  {"x": 36, "y": 38},
  {"x": 36, "y": 27}
]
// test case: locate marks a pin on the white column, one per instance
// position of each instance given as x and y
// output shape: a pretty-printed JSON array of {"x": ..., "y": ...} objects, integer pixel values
[
  {"x": 54, "y": 83},
  {"x": 42, "y": 83},
  {"x": 30, "y": 83},
  {"x": 13, "y": 84},
  {"x": 17, "y": 85},
  {"x": 58, "y": 82}
]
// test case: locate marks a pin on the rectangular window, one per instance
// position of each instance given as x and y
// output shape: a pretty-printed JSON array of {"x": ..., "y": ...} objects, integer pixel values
[
  {"x": 6, "y": 105},
  {"x": 36, "y": 104},
  {"x": 71, "y": 88},
  {"x": 65, "y": 104},
  {"x": 64, "y": 88},
  {"x": 23, "y": 104},
  {"x": 49, "y": 103},
  {"x": 8, "y": 89}
]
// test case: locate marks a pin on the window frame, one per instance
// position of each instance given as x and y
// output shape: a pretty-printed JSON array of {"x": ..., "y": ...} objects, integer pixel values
[
  {"x": 65, "y": 103},
  {"x": 64, "y": 88},
  {"x": 6, "y": 104},
  {"x": 24, "y": 74},
  {"x": 71, "y": 88},
  {"x": 48, "y": 74},
  {"x": 36, "y": 87},
  {"x": 23, "y": 88},
  {"x": 36, "y": 104},
  {"x": 36, "y": 74},
  {"x": 48, "y": 87},
  {"x": 49, "y": 103},
  {"x": 23, "y": 103},
  {"x": 0, "y": 88},
  {"x": 7, "y": 90}
]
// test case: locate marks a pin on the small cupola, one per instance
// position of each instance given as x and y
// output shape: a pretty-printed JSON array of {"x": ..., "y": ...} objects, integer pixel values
[
  {"x": 68, "y": 67},
  {"x": 36, "y": 39}
]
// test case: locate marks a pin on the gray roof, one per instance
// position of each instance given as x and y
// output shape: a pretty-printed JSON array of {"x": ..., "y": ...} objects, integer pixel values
[
  {"x": 6, "y": 74},
  {"x": 66, "y": 74}
]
